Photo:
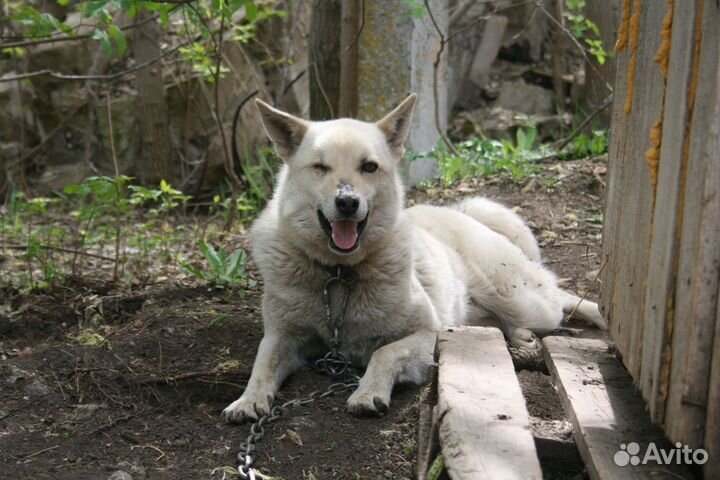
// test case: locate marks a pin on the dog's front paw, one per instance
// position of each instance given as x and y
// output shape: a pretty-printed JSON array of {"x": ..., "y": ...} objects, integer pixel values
[
  {"x": 250, "y": 406},
  {"x": 364, "y": 402}
]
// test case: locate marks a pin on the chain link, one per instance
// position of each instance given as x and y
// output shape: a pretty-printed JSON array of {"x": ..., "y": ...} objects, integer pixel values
[{"x": 335, "y": 364}]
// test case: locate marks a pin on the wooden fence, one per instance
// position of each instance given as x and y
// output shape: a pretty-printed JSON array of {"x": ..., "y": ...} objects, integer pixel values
[{"x": 662, "y": 222}]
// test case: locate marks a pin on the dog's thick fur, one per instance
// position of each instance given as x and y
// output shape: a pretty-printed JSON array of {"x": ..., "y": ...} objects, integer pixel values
[{"x": 418, "y": 268}]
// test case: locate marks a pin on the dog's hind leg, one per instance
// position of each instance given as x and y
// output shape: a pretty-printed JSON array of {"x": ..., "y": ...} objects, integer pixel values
[
  {"x": 504, "y": 221},
  {"x": 405, "y": 360},
  {"x": 583, "y": 309}
]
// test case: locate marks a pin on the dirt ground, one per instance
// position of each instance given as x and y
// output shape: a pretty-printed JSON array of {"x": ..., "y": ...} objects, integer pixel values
[{"x": 146, "y": 404}]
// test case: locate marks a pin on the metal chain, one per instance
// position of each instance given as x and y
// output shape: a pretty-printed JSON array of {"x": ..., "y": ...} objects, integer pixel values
[{"x": 334, "y": 364}]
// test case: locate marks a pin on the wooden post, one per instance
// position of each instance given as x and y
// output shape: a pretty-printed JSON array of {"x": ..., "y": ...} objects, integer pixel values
[
  {"x": 324, "y": 60},
  {"x": 349, "y": 50}
]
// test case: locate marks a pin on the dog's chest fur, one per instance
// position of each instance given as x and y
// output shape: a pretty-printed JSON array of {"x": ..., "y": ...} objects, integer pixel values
[{"x": 373, "y": 316}]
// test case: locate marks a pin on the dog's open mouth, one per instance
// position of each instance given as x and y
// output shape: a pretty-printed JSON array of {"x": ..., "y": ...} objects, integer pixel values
[{"x": 344, "y": 235}]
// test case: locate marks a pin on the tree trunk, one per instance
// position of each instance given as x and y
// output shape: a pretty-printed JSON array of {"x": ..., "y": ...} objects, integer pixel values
[
  {"x": 325, "y": 59},
  {"x": 154, "y": 162},
  {"x": 349, "y": 49}
]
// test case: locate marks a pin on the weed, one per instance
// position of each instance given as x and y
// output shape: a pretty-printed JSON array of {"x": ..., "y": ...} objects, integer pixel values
[
  {"x": 585, "y": 146},
  {"x": 224, "y": 269},
  {"x": 489, "y": 157}
]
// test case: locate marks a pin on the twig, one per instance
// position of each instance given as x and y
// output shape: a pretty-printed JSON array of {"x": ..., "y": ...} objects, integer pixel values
[
  {"x": 184, "y": 376},
  {"x": 436, "y": 66},
  {"x": 113, "y": 76},
  {"x": 118, "y": 223},
  {"x": 481, "y": 18},
  {"x": 162, "y": 454},
  {"x": 61, "y": 249},
  {"x": 587, "y": 290},
  {"x": 32, "y": 43},
  {"x": 564, "y": 142},
  {"x": 229, "y": 164},
  {"x": 360, "y": 28},
  {"x": 47, "y": 138},
  {"x": 575, "y": 41},
  {"x": 29, "y": 455}
]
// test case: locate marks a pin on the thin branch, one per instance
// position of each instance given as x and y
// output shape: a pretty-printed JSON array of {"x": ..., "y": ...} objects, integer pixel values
[
  {"x": 587, "y": 290},
  {"x": 47, "y": 138},
  {"x": 42, "y": 41},
  {"x": 118, "y": 223},
  {"x": 564, "y": 142},
  {"x": 229, "y": 164},
  {"x": 575, "y": 41},
  {"x": 113, "y": 76},
  {"x": 61, "y": 249},
  {"x": 184, "y": 376},
  {"x": 482, "y": 18},
  {"x": 436, "y": 67},
  {"x": 360, "y": 28}
]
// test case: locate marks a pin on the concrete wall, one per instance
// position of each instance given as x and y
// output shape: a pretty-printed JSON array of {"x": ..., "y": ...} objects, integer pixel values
[{"x": 397, "y": 53}]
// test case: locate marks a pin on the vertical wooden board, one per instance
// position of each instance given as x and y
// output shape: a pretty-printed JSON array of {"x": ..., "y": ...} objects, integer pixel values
[
  {"x": 698, "y": 252},
  {"x": 630, "y": 208},
  {"x": 484, "y": 424},
  {"x": 605, "y": 410},
  {"x": 671, "y": 175},
  {"x": 612, "y": 213},
  {"x": 712, "y": 420}
]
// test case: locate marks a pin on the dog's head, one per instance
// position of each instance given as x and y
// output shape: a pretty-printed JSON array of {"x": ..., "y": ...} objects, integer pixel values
[{"x": 341, "y": 187}]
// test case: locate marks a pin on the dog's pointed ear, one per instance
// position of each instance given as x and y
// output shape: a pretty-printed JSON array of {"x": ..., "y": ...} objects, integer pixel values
[
  {"x": 285, "y": 130},
  {"x": 396, "y": 125}
]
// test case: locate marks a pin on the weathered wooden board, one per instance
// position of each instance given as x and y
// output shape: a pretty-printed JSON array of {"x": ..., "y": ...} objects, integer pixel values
[
  {"x": 601, "y": 402},
  {"x": 698, "y": 252},
  {"x": 629, "y": 204},
  {"x": 663, "y": 314},
  {"x": 484, "y": 425}
]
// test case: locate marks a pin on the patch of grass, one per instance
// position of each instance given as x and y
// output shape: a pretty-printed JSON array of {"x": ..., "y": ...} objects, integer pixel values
[{"x": 489, "y": 157}]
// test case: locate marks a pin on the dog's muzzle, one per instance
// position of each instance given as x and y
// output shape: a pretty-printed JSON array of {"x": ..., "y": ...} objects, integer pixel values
[{"x": 343, "y": 233}]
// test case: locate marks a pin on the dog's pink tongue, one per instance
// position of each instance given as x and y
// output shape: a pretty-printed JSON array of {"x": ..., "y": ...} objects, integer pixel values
[{"x": 344, "y": 233}]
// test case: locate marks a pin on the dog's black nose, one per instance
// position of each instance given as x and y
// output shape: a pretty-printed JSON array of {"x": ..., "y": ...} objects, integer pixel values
[{"x": 347, "y": 204}]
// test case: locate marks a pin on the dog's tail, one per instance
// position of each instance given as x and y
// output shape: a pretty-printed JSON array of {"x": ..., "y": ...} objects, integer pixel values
[
  {"x": 583, "y": 309},
  {"x": 502, "y": 220}
]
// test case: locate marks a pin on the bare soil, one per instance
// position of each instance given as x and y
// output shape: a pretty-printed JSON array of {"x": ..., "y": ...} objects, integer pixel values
[{"x": 148, "y": 401}]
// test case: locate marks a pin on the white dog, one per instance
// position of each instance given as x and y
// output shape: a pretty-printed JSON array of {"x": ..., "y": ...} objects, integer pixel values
[{"x": 339, "y": 202}]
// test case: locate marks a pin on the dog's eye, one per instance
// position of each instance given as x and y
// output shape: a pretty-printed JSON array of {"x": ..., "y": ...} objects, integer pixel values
[
  {"x": 320, "y": 168},
  {"x": 369, "y": 167}
]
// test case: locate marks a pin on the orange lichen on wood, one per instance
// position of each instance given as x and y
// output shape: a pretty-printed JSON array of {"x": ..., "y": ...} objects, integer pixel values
[
  {"x": 622, "y": 38},
  {"x": 652, "y": 154},
  {"x": 634, "y": 38},
  {"x": 662, "y": 57}
]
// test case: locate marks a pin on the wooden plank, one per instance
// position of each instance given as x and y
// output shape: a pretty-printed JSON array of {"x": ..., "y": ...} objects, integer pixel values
[
  {"x": 427, "y": 441},
  {"x": 712, "y": 420},
  {"x": 629, "y": 207},
  {"x": 667, "y": 219},
  {"x": 484, "y": 424},
  {"x": 699, "y": 247},
  {"x": 601, "y": 403}
]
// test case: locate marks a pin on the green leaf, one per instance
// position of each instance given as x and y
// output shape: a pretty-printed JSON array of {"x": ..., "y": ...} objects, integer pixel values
[
  {"x": 219, "y": 320},
  {"x": 212, "y": 257},
  {"x": 104, "y": 39},
  {"x": 119, "y": 37}
]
